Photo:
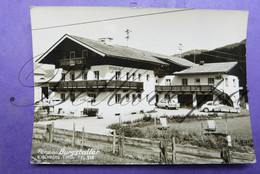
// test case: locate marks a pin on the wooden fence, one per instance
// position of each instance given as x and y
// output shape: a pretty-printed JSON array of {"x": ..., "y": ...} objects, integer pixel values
[{"x": 167, "y": 152}]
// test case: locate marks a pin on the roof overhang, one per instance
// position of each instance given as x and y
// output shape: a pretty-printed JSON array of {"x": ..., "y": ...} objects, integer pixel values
[{"x": 66, "y": 36}]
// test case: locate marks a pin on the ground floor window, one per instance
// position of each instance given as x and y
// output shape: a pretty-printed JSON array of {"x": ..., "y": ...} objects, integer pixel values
[
  {"x": 93, "y": 97},
  {"x": 211, "y": 81},
  {"x": 117, "y": 98},
  {"x": 72, "y": 97},
  {"x": 139, "y": 97},
  {"x": 127, "y": 97},
  {"x": 62, "y": 97},
  {"x": 134, "y": 98}
]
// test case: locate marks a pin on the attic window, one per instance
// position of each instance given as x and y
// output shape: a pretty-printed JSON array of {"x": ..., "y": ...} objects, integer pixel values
[
  {"x": 84, "y": 53},
  {"x": 72, "y": 54}
]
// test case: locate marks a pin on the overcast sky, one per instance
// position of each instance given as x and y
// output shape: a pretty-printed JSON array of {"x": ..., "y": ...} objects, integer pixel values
[{"x": 160, "y": 33}]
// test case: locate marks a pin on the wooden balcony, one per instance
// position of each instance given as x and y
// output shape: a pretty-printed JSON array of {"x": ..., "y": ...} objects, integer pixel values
[
  {"x": 96, "y": 85},
  {"x": 78, "y": 62},
  {"x": 181, "y": 88}
]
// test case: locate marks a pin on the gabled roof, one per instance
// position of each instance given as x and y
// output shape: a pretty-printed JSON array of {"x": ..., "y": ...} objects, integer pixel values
[
  {"x": 208, "y": 68},
  {"x": 123, "y": 52}
]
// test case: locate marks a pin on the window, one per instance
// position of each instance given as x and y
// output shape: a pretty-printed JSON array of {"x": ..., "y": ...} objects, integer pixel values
[
  {"x": 62, "y": 97},
  {"x": 139, "y": 76},
  {"x": 167, "y": 97},
  {"x": 72, "y": 76},
  {"x": 118, "y": 73},
  {"x": 139, "y": 96},
  {"x": 93, "y": 97},
  {"x": 117, "y": 98},
  {"x": 63, "y": 75},
  {"x": 84, "y": 53},
  {"x": 185, "y": 82},
  {"x": 72, "y": 97},
  {"x": 197, "y": 81},
  {"x": 147, "y": 97},
  {"x": 127, "y": 75},
  {"x": 134, "y": 98},
  {"x": 127, "y": 97},
  {"x": 96, "y": 75},
  {"x": 226, "y": 82},
  {"x": 168, "y": 82},
  {"x": 133, "y": 76},
  {"x": 211, "y": 81},
  {"x": 147, "y": 77},
  {"x": 234, "y": 82},
  {"x": 72, "y": 54},
  {"x": 85, "y": 76}
]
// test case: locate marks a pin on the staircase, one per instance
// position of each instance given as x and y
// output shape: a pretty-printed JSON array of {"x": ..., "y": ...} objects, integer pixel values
[{"x": 222, "y": 95}]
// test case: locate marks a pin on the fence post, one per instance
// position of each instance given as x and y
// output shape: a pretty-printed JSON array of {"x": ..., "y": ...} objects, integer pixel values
[
  {"x": 201, "y": 129},
  {"x": 73, "y": 135},
  {"x": 173, "y": 151},
  {"x": 114, "y": 142},
  {"x": 123, "y": 145},
  {"x": 50, "y": 128},
  {"x": 119, "y": 145},
  {"x": 82, "y": 140},
  {"x": 52, "y": 132},
  {"x": 164, "y": 149}
]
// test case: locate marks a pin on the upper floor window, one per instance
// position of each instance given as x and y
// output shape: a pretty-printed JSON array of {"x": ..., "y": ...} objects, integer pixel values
[
  {"x": 118, "y": 74},
  {"x": 139, "y": 76},
  {"x": 185, "y": 82},
  {"x": 147, "y": 77},
  {"x": 211, "y": 81},
  {"x": 72, "y": 76},
  {"x": 234, "y": 82},
  {"x": 63, "y": 75},
  {"x": 226, "y": 82},
  {"x": 96, "y": 73},
  {"x": 117, "y": 98},
  {"x": 127, "y": 75},
  {"x": 168, "y": 82},
  {"x": 85, "y": 76},
  {"x": 197, "y": 81},
  {"x": 133, "y": 76},
  {"x": 72, "y": 54},
  {"x": 84, "y": 53}
]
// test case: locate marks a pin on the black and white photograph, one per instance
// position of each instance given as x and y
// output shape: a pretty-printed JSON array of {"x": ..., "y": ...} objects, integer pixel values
[{"x": 121, "y": 85}]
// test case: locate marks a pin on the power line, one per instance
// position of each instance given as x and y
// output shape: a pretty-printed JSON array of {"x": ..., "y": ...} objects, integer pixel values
[
  {"x": 228, "y": 53},
  {"x": 223, "y": 57},
  {"x": 111, "y": 19}
]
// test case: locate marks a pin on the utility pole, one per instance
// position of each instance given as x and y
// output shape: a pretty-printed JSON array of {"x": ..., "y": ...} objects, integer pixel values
[
  {"x": 180, "y": 48},
  {"x": 194, "y": 56},
  {"x": 127, "y": 36}
]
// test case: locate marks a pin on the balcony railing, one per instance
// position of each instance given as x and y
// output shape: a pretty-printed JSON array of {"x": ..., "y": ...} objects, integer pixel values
[
  {"x": 181, "y": 88},
  {"x": 72, "y": 62},
  {"x": 96, "y": 84}
]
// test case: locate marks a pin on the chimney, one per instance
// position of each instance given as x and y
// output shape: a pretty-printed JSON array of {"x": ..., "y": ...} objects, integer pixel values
[
  {"x": 201, "y": 62},
  {"x": 106, "y": 40}
]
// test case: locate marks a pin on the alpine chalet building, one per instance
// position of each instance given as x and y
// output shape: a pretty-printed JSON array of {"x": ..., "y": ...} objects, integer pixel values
[{"x": 99, "y": 78}]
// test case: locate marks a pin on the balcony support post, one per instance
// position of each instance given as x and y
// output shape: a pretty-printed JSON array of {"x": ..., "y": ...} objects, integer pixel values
[{"x": 194, "y": 98}]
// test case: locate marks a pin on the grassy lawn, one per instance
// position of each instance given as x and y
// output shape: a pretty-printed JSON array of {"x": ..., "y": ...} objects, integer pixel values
[
  {"x": 190, "y": 131},
  {"x": 47, "y": 153}
]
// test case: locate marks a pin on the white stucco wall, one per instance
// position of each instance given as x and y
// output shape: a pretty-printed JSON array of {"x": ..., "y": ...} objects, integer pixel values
[
  {"x": 107, "y": 72},
  {"x": 228, "y": 83}
]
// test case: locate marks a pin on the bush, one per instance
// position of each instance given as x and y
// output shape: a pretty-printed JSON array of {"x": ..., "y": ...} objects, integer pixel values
[{"x": 147, "y": 117}]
